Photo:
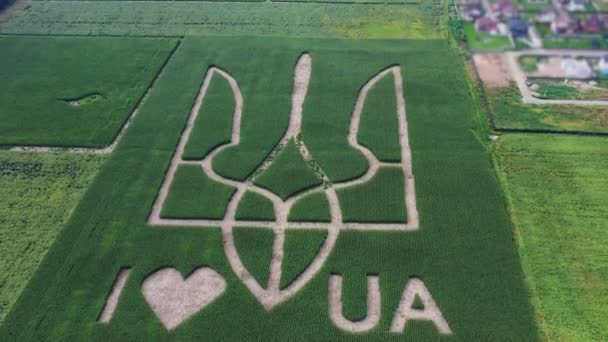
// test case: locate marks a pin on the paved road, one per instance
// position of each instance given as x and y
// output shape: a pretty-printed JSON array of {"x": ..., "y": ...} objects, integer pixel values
[{"x": 520, "y": 78}]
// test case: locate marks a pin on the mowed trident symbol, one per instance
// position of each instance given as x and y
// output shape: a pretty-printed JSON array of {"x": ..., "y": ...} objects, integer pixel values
[{"x": 271, "y": 294}]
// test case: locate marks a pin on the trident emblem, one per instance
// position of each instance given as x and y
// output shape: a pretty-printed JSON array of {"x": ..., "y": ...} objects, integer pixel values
[{"x": 270, "y": 294}]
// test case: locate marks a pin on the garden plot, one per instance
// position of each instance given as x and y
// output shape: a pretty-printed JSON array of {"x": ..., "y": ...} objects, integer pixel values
[
  {"x": 317, "y": 129},
  {"x": 80, "y": 92}
]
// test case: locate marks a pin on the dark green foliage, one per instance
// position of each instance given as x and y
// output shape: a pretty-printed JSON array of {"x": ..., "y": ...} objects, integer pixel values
[
  {"x": 37, "y": 88},
  {"x": 39, "y": 193},
  {"x": 463, "y": 251},
  {"x": 288, "y": 174},
  {"x": 380, "y": 200},
  {"x": 194, "y": 195},
  {"x": 300, "y": 248},
  {"x": 254, "y": 246},
  {"x": 255, "y": 207},
  {"x": 313, "y": 207},
  {"x": 213, "y": 126},
  {"x": 379, "y": 127}
]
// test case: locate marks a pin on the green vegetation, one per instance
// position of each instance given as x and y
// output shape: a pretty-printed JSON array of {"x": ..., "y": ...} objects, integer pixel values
[
  {"x": 382, "y": 199},
  {"x": 194, "y": 195},
  {"x": 558, "y": 190},
  {"x": 255, "y": 207},
  {"x": 47, "y": 97},
  {"x": 483, "y": 41},
  {"x": 213, "y": 126},
  {"x": 559, "y": 89},
  {"x": 254, "y": 246},
  {"x": 465, "y": 235},
  {"x": 379, "y": 129},
  {"x": 288, "y": 174},
  {"x": 528, "y": 6},
  {"x": 39, "y": 193},
  {"x": 575, "y": 43},
  {"x": 300, "y": 248},
  {"x": 176, "y": 18},
  {"x": 312, "y": 207},
  {"x": 510, "y": 112},
  {"x": 528, "y": 63}
]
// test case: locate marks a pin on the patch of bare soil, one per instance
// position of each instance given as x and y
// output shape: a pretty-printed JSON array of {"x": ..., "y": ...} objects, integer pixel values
[{"x": 493, "y": 70}]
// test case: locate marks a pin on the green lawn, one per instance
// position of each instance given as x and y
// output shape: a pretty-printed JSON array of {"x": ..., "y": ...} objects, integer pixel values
[
  {"x": 558, "y": 190},
  {"x": 557, "y": 89},
  {"x": 39, "y": 193},
  {"x": 465, "y": 235},
  {"x": 510, "y": 112},
  {"x": 78, "y": 92},
  {"x": 482, "y": 41},
  {"x": 573, "y": 43}
]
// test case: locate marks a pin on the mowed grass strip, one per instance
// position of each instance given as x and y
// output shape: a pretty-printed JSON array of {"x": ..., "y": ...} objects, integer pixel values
[
  {"x": 558, "y": 190},
  {"x": 39, "y": 193},
  {"x": 194, "y": 195},
  {"x": 382, "y": 199},
  {"x": 213, "y": 126},
  {"x": 79, "y": 92}
]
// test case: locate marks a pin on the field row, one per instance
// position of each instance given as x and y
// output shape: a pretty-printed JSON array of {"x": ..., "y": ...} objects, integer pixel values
[{"x": 176, "y": 18}]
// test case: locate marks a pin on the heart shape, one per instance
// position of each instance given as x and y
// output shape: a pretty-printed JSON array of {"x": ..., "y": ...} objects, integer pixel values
[{"x": 175, "y": 299}]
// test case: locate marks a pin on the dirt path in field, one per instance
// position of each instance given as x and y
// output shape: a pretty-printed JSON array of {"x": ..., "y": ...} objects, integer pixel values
[
  {"x": 112, "y": 301},
  {"x": 271, "y": 294}
]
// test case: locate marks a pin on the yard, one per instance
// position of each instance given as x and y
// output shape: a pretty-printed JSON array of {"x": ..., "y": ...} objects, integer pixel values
[{"x": 482, "y": 41}]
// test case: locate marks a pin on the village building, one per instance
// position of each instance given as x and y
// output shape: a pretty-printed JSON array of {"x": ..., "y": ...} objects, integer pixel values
[
  {"x": 592, "y": 25},
  {"x": 546, "y": 15},
  {"x": 579, "y": 69},
  {"x": 576, "y": 5},
  {"x": 562, "y": 23},
  {"x": 505, "y": 9},
  {"x": 472, "y": 11},
  {"x": 518, "y": 28},
  {"x": 487, "y": 25}
]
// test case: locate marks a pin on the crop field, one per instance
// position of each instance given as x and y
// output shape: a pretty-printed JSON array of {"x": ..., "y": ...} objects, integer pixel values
[
  {"x": 558, "y": 190},
  {"x": 39, "y": 192},
  {"x": 177, "y": 18},
  {"x": 79, "y": 92},
  {"x": 267, "y": 214}
]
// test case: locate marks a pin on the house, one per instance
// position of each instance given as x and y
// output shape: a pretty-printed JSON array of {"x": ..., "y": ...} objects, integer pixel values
[
  {"x": 592, "y": 25},
  {"x": 579, "y": 69},
  {"x": 603, "y": 66},
  {"x": 562, "y": 23},
  {"x": 546, "y": 15},
  {"x": 576, "y": 5},
  {"x": 505, "y": 9},
  {"x": 487, "y": 25},
  {"x": 518, "y": 28},
  {"x": 472, "y": 11}
]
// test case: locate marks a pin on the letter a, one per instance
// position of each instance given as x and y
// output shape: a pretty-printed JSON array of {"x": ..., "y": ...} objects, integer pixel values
[{"x": 405, "y": 311}]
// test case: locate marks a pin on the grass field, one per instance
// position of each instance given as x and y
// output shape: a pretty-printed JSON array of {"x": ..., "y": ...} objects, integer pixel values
[
  {"x": 558, "y": 89},
  {"x": 464, "y": 237},
  {"x": 558, "y": 190},
  {"x": 176, "y": 18},
  {"x": 39, "y": 192},
  {"x": 510, "y": 112},
  {"x": 482, "y": 41},
  {"x": 79, "y": 92}
]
